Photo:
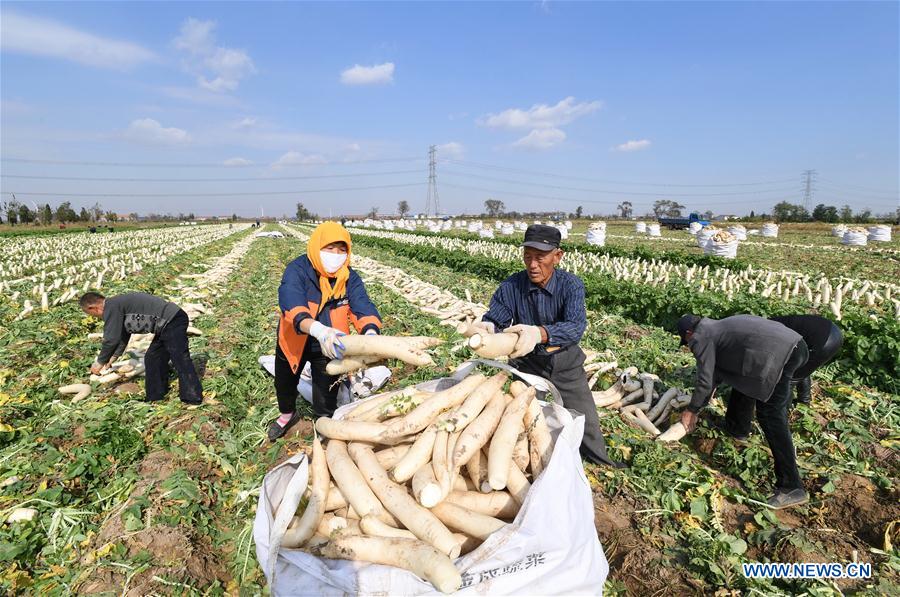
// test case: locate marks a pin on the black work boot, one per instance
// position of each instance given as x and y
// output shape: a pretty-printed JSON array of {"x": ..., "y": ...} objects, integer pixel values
[{"x": 804, "y": 387}]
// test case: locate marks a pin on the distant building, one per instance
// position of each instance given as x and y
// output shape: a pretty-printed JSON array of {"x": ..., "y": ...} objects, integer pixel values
[{"x": 725, "y": 217}]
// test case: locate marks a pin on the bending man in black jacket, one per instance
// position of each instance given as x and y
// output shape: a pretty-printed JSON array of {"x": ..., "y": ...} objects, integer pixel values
[
  {"x": 141, "y": 313},
  {"x": 824, "y": 340},
  {"x": 757, "y": 358}
]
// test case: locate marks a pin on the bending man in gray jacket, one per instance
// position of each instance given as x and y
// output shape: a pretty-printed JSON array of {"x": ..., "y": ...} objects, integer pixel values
[
  {"x": 757, "y": 358},
  {"x": 142, "y": 313}
]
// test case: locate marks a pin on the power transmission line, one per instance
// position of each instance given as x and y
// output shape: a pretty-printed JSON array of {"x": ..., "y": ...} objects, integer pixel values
[
  {"x": 617, "y": 192},
  {"x": 198, "y": 165},
  {"x": 245, "y": 179},
  {"x": 235, "y": 194},
  {"x": 606, "y": 181}
]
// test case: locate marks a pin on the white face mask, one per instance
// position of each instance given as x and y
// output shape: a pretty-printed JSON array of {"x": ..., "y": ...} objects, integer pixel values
[{"x": 332, "y": 262}]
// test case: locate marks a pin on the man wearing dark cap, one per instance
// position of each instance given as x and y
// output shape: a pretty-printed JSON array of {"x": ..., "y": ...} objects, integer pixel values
[
  {"x": 757, "y": 358},
  {"x": 544, "y": 306}
]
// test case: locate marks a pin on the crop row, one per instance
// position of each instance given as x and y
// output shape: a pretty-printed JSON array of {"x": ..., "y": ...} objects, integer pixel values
[{"x": 53, "y": 270}]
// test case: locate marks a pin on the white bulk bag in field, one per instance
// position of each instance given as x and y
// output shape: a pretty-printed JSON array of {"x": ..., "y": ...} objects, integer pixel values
[
  {"x": 694, "y": 227},
  {"x": 704, "y": 234},
  {"x": 738, "y": 231},
  {"x": 727, "y": 249},
  {"x": 838, "y": 230},
  {"x": 596, "y": 234},
  {"x": 880, "y": 233},
  {"x": 640, "y": 227},
  {"x": 568, "y": 224},
  {"x": 855, "y": 237},
  {"x": 551, "y": 548},
  {"x": 563, "y": 232},
  {"x": 653, "y": 230},
  {"x": 508, "y": 230},
  {"x": 769, "y": 230},
  {"x": 486, "y": 233}
]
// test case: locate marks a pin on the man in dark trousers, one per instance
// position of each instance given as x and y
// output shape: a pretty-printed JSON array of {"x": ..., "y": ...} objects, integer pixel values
[
  {"x": 824, "y": 340},
  {"x": 544, "y": 306},
  {"x": 141, "y": 313},
  {"x": 757, "y": 358}
]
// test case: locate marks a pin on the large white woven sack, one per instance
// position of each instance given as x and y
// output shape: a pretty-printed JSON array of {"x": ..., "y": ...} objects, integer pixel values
[{"x": 551, "y": 548}]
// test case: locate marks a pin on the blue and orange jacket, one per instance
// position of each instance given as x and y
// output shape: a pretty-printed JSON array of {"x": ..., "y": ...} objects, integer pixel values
[{"x": 299, "y": 297}]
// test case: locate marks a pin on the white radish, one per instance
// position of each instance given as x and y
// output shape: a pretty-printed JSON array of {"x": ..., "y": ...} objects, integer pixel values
[
  {"x": 384, "y": 347},
  {"x": 491, "y": 346},
  {"x": 504, "y": 439},
  {"x": 540, "y": 442},
  {"x": 479, "y": 432},
  {"x": 419, "y": 454},
  {"x": 474, "y": 524},
  {"x": 499, "y": 504},
  {"x": 421, "y": 416},
  {"x": 399, "y": 503},
  {"x": 315, "y": 507},
  {"x": 81, "y": 391},
  {"x": 473, "y": 405},
  {"x": 673, "y": 433},
  {"x": 416, "y": 556}
]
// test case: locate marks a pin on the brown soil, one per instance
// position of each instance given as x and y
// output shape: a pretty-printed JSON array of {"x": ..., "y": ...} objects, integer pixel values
[
  {"x": 176, "y": 555},
  {"x": 634, "y": 332},
  {"x": 629, "y": 553},
  {"x": 858, "y": 507},
  {"x": 822, "y": 546},
  {"x": 128, "y": 388}
]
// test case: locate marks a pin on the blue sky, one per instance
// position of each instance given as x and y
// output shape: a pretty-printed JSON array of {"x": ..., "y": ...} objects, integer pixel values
[{"x": 719, "y": 106}]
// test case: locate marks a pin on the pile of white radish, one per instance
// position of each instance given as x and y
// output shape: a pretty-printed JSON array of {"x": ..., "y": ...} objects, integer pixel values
[
  {"x": 414, "y": 479},
  {"x": 633, "y": 394}
]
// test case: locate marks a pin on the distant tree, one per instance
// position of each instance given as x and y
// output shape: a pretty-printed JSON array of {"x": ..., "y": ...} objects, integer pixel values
[
  {"x": 46, "y": 215},
  {"x": 303, "y": 213},
  {"x": 234, "y": 217},
  {"x": 373, "y": 213},
  {"x": 863, "y": 217},
  {"x": 789, "y": 212},
  {"x": 494, "y": 207},
  {"x": 65, "y": 213},
  {"x": 578, "y": 211},
  {"x": 11, "y": 209},
  {"x": 112, "y": 216},
  {"x": 752, "y": 215},
  {"x": 96, "y": 212},
  {"x": 625, "y": 209},
  {"x": 825, "y": 213},
  {"x": 667, "y": 208},
  {"x": 403, "y": 208},
  {"x": 26, "y": 216},
  {"x": 846, "y": 214},
  {"x": 707, "y": 215},
  {"x": 191, "y": 216},
  {"x": 133, "y": 216},
  {"x": 85, "y": 216}
]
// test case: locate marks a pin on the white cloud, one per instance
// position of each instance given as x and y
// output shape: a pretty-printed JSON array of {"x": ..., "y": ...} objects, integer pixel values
[
  {"x": 245, "y": 123},
  {"x": 147, "y": 130},
  {"x": 540, "y": 116},
  {"x": 634, "y": 145},
  {"x": 295, "y": 158},
  {"x": 41, "y": 37},
  {"x": 378, "y": 74},
  {"x": 541, "y": 139},
  {"x": 196, "y": 36},
  {"x": 237, "y": 162},
  {"x": 451, "y": 150},
  {"x": 218, "y": 69}
]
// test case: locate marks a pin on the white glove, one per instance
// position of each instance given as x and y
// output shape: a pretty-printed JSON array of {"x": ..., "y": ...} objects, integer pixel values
[
  {"x": 487, "y": 326},
  {"x": 529, "y": 337},
  {"x": 329, "y": 339},
  {"x": 371, "y": 332}
]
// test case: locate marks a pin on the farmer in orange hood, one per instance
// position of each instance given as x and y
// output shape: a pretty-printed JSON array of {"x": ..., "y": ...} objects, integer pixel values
[{"x": 319, "y": 297}]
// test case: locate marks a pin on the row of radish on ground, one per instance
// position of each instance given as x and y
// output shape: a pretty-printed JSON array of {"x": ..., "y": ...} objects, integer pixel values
[
  {"x": 45, "y": 272},
  {"x": 878, "y": 298}
]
